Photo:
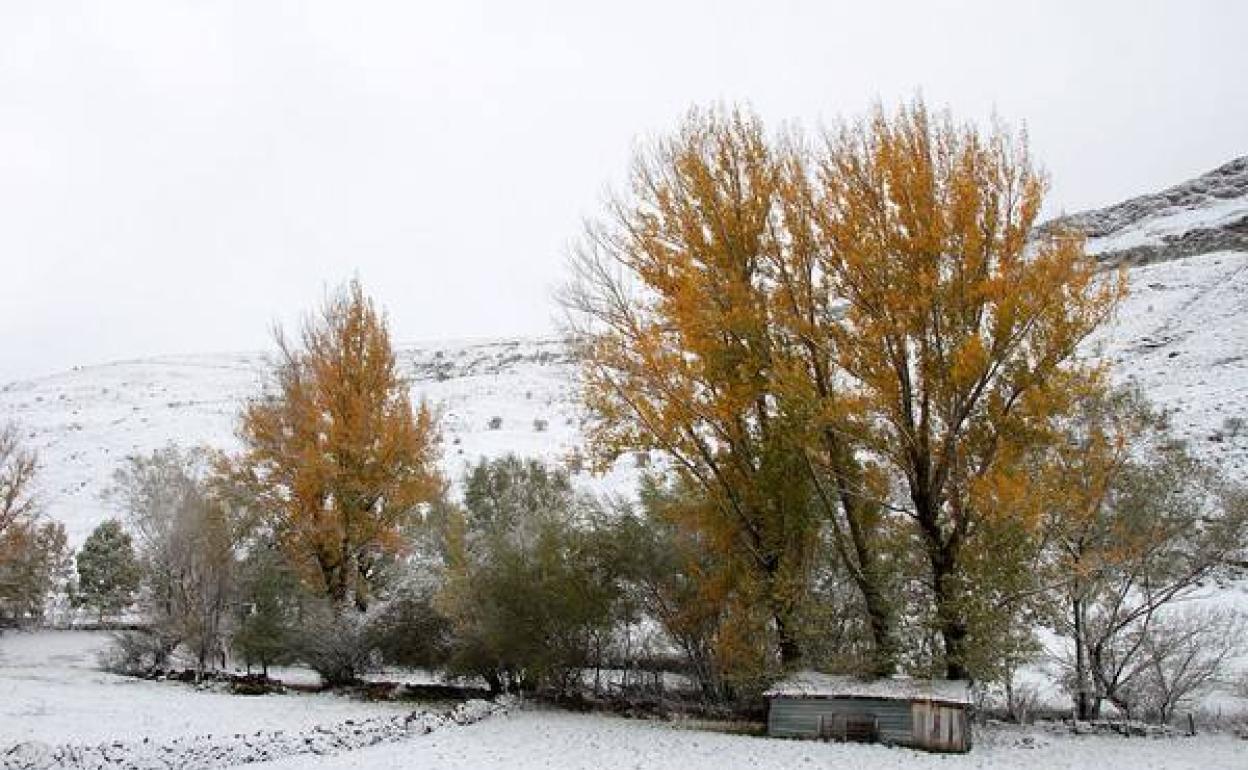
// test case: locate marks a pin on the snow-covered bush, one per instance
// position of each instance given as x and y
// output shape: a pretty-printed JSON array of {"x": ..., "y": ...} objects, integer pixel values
[
  {"x": 407, "y": 630},
  {"x": 138, "y": 653},
  {"x": 337, "y": 646},
  {"x": 1183, "y": 655},
  {"x": 532, "y": 590},
  {"x": 187, "y": 544}
]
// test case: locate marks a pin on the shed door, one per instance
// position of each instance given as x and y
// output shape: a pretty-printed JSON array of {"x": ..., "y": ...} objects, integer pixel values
[
  {"x": 954, "y": 719},
  {"x": 936, "y": 726},
  {"x": 920, "y": 722}
]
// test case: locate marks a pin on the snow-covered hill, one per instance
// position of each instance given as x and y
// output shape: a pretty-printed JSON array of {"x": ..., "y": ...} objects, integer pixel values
[
  {"x": 85, "y": 421},
  {"x": 1182, "y": 335},
  {"x": 1200, "y": 216}
]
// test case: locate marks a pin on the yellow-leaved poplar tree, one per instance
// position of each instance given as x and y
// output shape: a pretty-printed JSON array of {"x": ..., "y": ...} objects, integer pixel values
[
  {"x": 866, "y": 339},
  {"x": 336, "y": 454},
  {"x": 669, "y": 305},
  {"x": 961, "y": 324},
  {"x": 704, "y": 327}
]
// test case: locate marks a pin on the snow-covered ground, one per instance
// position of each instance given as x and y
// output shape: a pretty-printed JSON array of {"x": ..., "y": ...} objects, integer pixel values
[
  {"x": 544, "y": 739},
  {"x": 1182, "y": 336},
  {"x": 51, "y": 690},
  {"x": 57, "y": 710}
]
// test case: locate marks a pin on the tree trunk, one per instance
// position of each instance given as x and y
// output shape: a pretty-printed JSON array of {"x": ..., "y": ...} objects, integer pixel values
[
  {"x": 859, "y": 552},
  {"x": 333, "y": 573},
  {"x": 790, "y": 649},
  {"x": 1103, "y": 689},
  {"x": 954, "y": 635},
  {"x": 951, "y": 622},
  {"x": 1083, "y": 699},
  {"x": 882, "y": 622},
  {"x": 881, "y": 618}
]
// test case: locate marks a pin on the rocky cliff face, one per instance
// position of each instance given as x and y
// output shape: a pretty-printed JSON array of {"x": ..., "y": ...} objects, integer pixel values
[{"x": 1200, "y": 216}]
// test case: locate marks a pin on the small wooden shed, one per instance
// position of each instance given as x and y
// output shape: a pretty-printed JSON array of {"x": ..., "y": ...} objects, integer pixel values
[{"x": 930, "y": 714}]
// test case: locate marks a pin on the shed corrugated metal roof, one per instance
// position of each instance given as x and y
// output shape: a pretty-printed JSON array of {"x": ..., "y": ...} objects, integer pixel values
[{"x": 812, "y": 684}]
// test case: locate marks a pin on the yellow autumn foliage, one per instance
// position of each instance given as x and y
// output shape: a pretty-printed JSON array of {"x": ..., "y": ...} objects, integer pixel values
[
  {"x": 826, "y": 336},
  {"x": 336, "y": 454}
]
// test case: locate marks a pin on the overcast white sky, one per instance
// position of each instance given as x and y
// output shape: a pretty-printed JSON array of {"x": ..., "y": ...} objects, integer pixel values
[{"x": 177, "y": 176}]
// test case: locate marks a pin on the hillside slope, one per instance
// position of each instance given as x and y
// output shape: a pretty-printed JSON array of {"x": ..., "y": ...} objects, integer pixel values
[
  {"x": 1200, "y": 216},
  {"x": 1182, "y": 335},
  {"x": 85, "y": 421}
]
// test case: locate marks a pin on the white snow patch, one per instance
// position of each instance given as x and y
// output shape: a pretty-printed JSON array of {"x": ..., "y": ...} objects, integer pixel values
[
  {"x": 1170, "y": 223},
  {"x": 52, "y": 691},
  {"x": 561, "y": 741},
  {"x": 1181, "y": 335},
  {"x": 812, "y": 684}
]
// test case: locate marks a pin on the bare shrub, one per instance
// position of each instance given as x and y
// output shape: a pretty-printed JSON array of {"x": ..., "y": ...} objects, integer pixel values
[
  {"x": 338, "y": 647},
  {"x": 1184, "y": 655},
  {"x": 138, "y": 653}
]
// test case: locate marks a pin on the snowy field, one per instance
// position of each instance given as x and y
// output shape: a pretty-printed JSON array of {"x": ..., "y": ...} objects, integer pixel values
[
  {"x": 1182, "y": 337},
  {"x": 51, "y": 690},
  {"x": 542, "y": 739},
  {"x": 52, "y": 697}
]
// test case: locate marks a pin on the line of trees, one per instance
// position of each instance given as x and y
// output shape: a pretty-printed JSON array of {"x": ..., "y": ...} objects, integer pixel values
[
  {"x": 868, "y": 367},
  {"x": 883, "y": 449},
  {"x": 331, "y": 540}
]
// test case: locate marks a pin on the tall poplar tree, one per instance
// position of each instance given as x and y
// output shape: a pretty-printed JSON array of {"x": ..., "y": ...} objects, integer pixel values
[
  {"x": 691, "y": 348},
  {"x": 865, "y": 338},
  {"x": 961, "y": 324},
  {"x": 334, "y": 452}
]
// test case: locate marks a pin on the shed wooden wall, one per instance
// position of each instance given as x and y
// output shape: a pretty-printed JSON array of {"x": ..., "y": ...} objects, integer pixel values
[
  {"x": 799, "y": 717},
  {"x": 790, "y": 717}
]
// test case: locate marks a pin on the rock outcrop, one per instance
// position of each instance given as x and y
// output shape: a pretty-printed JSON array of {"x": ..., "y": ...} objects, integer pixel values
[{"x": 1199, "y": 216}]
